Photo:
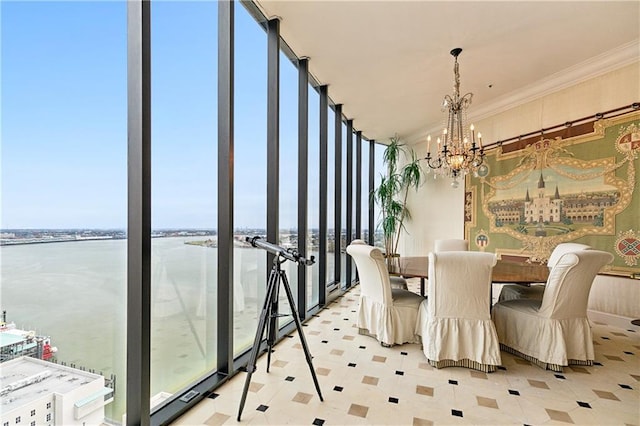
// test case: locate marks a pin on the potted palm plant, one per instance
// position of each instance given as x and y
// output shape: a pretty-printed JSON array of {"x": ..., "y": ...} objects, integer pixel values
[{"x": 391, "y": 194}]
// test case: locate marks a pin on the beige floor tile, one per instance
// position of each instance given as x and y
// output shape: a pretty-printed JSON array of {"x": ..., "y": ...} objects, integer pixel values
[{"x": 423, "y": 394}]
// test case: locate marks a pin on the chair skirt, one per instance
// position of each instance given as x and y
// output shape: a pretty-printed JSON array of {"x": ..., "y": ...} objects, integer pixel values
[
  {"x": 460, "y": 342},
  {"x": 390, "y": 324},
  {"x": 549, "y": 343}
]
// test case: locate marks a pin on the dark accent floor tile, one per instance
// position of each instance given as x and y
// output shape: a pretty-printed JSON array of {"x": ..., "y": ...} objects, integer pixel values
[
  {"x": 583, "y": 404},
  {"x": 453, "y": 382},
  {"x": 514, "y": 392},
  {"x": 393, "y": 400},
  {"x": 362, "y": 347},
  {"x": 400, "y": 373},
  {"x": 336, "y": 329},
  {"x": 457, "y": 413},
  {"x": 325, "y": 341},
  {"x": 262, "y": 408},
  {"x": 624, "y": 386},
  {"x": 317, "y": 422},
  {"x": 290, "y": 378},
  {"x": 560, "y": 376},
  {"x": 629, "y": 353},
  {"x": 352, "y": 364},
  {"x": 338, "y": 388},
  {"x": 599, "y": 364},
  {"x": 404, "y": 353}
]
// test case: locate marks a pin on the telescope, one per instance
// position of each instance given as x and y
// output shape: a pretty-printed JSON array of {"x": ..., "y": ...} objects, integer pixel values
[
  {"x": 269, "y": 315},
  {"x": 289, "y": 254}
]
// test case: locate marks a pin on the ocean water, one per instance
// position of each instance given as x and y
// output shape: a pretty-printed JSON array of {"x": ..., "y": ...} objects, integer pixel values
[{"x": 75, "y": 292}]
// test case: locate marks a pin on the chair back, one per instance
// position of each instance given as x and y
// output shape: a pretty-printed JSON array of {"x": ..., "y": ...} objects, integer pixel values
[
  {"x": 372, "y": 270},
  {"x": 450, "y": 245},
  {"x": 563, "y": 248},
  {"x": 567, "y": 291},
  {"x": 460, "y": 284}
]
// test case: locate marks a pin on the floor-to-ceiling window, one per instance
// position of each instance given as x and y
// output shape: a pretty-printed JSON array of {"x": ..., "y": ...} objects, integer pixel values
[
  {"x": 380, "y": 171},
  {"x": 331, "y": 177},
  {"x": 364, "y": 187},
  {"x": 64, "y": 180},
  {"x": 313, "y": 209},
  {"x": 250, "y": 174},
  {"x": 343, "y": 210},
  {"x": 184, "y": 186},
  {"x": 288, "y": 237}
]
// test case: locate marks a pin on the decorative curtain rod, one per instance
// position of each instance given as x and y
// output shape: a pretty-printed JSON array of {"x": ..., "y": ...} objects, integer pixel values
[{"x": 598, "y": 116}]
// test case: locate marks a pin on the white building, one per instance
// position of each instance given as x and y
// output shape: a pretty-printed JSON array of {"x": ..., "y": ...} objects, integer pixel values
[
  {"x": 35, "y": 392},
  {"x": 543, "y": 208}
]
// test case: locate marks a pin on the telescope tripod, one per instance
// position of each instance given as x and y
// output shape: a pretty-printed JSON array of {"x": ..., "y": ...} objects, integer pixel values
[{"x": 270, "y": 313}]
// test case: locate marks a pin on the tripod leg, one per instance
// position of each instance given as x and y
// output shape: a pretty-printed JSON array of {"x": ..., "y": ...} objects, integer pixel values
[
  {"x": 272, "y": 325},
  {"x": 296, "y": 318},
  {"x": 266, "y": 312}
]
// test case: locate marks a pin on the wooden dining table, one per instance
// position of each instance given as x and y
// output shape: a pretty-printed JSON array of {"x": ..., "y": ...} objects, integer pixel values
[{"x": 505, "y": 271}]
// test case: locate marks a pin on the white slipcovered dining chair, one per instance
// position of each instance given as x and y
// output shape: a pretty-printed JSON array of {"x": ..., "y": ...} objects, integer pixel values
[
  {"x": 387, "y": 314},
  {"x": 450, "y": 245},
  {"x": 454, "y": 321},
  {"x": 554, "y": 332},
  {"x": 396, "y": 281},
  {"x": 535, "y": 291}
]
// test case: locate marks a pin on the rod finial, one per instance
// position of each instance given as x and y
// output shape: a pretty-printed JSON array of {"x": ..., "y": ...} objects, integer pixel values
[{"x": 455, "y": 52}]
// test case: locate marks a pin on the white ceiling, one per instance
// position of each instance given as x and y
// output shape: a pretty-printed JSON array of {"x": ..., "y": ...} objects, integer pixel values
[{"x": 388, "y": 62}]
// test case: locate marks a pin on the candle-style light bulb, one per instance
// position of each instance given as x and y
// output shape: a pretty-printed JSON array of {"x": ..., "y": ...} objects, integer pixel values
[
  {"x": 428, "y": 144},
  {"x": 480, "y": 139}
]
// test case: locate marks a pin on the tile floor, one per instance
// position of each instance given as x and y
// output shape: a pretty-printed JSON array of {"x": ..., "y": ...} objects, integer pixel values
[{"x": 365, "y": 383}]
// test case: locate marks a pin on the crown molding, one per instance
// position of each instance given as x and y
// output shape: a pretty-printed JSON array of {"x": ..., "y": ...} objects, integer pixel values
[
  {"x": 609, "y": 61},
  {"x": 612, "y": 60}
]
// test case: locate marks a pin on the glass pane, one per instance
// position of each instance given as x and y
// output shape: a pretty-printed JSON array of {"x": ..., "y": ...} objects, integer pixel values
[
  {"x": 379, "y": 172},
  {"x": 364, "y": 201},
  {"x": 288, "y": 175},
  {"x": 313, "y": 210},
  {"x": 64, "y": 183},
  {"x": 184, "y": 193},
  {"x": 331, "y": 191},
  {"x": 343, "y": 213},
  {"x": 250, "y": 175}
]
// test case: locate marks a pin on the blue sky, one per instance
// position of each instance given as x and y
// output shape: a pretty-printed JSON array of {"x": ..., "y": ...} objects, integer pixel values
[{"x": 64, "y": 114}]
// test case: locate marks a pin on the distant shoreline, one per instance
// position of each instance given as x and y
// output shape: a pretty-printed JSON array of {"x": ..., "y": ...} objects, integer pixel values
[
  {"x": 56, "y": 240},
  {"x": 12, "y": 237}
]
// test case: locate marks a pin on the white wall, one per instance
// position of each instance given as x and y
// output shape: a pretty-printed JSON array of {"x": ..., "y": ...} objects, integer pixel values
[
  {"x": 437, "y": 212},
  {"x": 437, "y": 209}
]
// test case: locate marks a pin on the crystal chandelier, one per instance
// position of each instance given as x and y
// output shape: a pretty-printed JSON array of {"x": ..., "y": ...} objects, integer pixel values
[{"x": 457, "y": 152}]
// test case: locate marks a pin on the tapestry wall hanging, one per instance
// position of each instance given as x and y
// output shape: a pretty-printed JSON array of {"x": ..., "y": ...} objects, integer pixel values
[{"x": 583, "y": 189}]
